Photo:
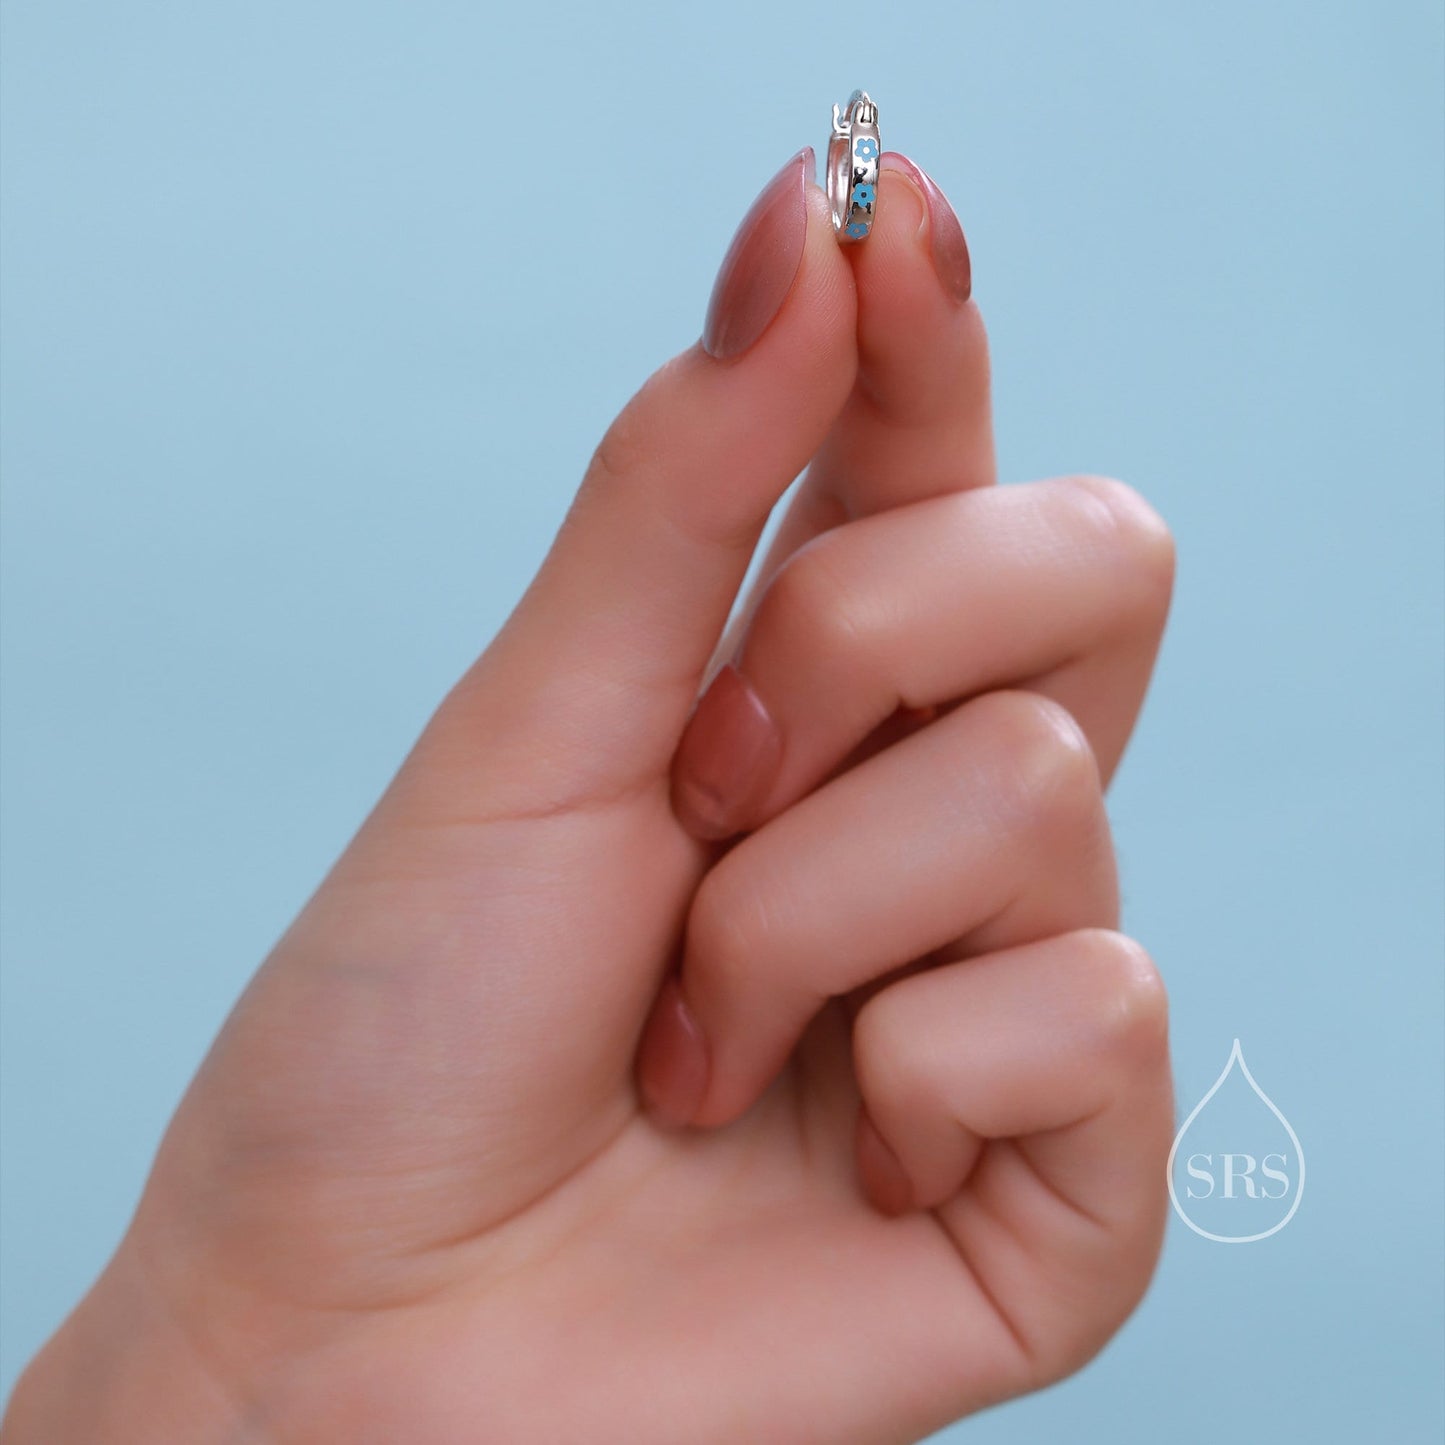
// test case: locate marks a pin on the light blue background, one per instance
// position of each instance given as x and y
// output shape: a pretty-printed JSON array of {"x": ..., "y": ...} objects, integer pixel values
[{"x": 312, "y": 316}]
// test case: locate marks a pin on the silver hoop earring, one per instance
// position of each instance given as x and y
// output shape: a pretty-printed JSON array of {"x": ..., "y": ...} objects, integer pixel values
[{"x": 853, "y": 153}]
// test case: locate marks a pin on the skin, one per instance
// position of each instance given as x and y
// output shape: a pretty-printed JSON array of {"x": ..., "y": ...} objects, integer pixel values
[{"x": 413, "y": 1192}]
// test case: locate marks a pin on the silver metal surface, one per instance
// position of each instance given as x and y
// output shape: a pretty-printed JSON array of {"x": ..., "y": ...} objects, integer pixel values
[{"x": 853, "y": 153}]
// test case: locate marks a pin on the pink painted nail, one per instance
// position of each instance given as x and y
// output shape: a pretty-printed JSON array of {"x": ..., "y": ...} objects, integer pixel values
[
  {"x": 727, "y": 759},
  {"x": 946, "y": 242},
  {"x": 757, "y": 272},
  {"x": 672, "y": 1061}
]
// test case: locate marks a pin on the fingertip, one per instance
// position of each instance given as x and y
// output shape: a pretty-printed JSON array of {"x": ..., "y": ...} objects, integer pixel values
[
  {"x": 931, "y": 223},
  {"x": 922, "y": 348},
  {"x": 727, "y": 760},
  {"x": 672, "y": 1059},
  {"x": 782, "y": 270},
  {"x": 827, "y": 286},
  {"x": 884, "y": 1181},
  {"x": 761, "y": 263}
]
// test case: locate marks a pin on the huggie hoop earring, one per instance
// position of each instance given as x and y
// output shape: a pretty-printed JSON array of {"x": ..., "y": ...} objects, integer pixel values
[{"x": 853, "y": 152}]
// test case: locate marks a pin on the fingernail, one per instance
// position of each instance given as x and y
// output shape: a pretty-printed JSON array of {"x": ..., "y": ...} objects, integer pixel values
[
  {"x": 758, "y": 270},
  {"x": 727, "y": 759},
  {"x": 672, "y": 1061},
  {"x": 946, "y": 243},
  {"x": 886, "y": 1185}
]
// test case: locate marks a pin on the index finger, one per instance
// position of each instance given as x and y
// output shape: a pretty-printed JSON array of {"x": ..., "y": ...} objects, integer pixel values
[{"x": 918, "y": 422}]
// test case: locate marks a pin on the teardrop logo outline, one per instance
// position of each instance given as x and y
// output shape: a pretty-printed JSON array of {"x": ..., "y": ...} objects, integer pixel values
[{"x": 1236, "y": 1056}]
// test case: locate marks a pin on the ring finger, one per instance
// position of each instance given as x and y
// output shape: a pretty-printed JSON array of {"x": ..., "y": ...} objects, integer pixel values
[{"x": 984, "y": 830}]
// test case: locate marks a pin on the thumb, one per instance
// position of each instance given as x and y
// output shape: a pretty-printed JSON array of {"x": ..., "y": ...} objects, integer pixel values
[{"x": 585, "y": 691}]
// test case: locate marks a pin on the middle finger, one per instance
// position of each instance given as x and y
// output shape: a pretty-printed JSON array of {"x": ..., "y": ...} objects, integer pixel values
[
  {"x": 1060, "y": 586},
  {"x": 918, "y": 422}
]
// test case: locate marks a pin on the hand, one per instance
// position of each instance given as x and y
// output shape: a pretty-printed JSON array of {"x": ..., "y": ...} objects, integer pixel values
[{"x": 908, "y": 1098}]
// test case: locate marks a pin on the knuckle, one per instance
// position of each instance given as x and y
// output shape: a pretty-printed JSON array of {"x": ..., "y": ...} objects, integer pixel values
[
  {"x": 1049, "y": 761},
  {"x": 1130, "y": 1002},
  {"x": 727, "y": 925},
  {"x": 621, "y": 454},
  {"x": 816, "y": 603},
  {"x": 611, "y": 459},
  {"x": 616, "y": 470},
  {"x": 1136, "y": 536},
  {"x": 886, "y": 1063},
  {"x": 714, "y": 934}
]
